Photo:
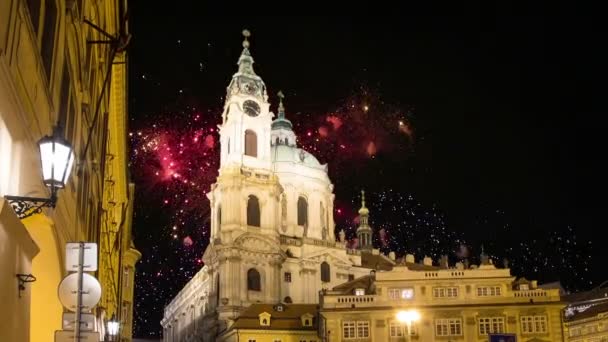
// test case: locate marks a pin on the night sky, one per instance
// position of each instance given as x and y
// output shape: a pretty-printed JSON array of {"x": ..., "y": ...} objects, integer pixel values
[{"x": 460, "y": 130}]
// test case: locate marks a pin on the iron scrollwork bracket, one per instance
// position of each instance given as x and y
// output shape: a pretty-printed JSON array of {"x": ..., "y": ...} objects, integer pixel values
[{"x": 28, "y": 206}]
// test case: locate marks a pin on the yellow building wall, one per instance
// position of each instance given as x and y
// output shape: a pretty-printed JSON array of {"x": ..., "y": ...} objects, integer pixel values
[
  {"x": 243, "y": 335},
  {"x": 46, "y": 82}
]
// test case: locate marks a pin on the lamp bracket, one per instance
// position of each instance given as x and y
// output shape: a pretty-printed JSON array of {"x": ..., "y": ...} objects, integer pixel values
[
  {"x": 28, "y": 206},
  {"x": 23, "y": 279}
]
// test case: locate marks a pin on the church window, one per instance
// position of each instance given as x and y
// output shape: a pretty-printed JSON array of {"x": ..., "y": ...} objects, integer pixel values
[
  {"x": 251, "y": 143},
  {"x": 253, "y": 211},
  {"x": 288, "y": 277},
  {"x": 253, "y": 280},
  {"x": 302, "y": 211},
  {"x": 325, "y": 272}
]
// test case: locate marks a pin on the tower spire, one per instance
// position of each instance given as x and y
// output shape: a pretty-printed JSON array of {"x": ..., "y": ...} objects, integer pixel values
[
  {"x": 245, "y": 81},
  {"x": 364, "y": 231},
  {"x": 281, "y": 122},
  {"x": 281, "y": 107}
]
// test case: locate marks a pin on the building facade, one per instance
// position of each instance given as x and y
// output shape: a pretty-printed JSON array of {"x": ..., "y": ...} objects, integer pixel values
[
  {"x": 272, "y": 228},
  {"x": 272, "y": 323},
  {"x": 586, "y": 316},
  {"x": 452, "y": 303},
  {"x": 63, "y": 66}
]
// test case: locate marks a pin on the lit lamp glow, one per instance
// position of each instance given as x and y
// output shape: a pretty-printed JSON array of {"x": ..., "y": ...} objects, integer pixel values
[
  {"x": 408, "y": 317},
  {"x": 57, "y": 158},
  {"x": 113, "y": 326}
]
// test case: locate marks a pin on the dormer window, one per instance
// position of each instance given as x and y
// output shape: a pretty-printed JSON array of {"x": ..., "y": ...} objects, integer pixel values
[
  {"x": 359, "y": 292},
  {"x": 307, "y": 320},
  {"x": 264, "y": 319}
]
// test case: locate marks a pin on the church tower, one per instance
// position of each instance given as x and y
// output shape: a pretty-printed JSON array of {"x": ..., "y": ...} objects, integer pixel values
[
  {"x": 245, "y": 129},
  {"x": 243, "y": 257},
  {"x": 364, "y": 232}
]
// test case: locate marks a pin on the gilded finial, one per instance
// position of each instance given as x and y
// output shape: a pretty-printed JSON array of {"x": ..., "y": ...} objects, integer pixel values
[
  {"x": 362, "y": 198},
  {"x": 281, "y": 108},
  {"x": 246, "y": 34}
]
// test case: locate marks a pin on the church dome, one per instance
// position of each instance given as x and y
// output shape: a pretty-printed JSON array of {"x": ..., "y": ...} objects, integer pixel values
[{"x": 296, "y": 156}]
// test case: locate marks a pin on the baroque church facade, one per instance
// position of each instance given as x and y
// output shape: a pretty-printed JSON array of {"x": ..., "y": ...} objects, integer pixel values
[{"x": 272, "y": 228}]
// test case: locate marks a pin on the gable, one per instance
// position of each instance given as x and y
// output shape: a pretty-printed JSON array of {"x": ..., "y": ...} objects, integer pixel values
[
  {"x": 331, "y": 258},
  {"x": 254, "y": 243}
]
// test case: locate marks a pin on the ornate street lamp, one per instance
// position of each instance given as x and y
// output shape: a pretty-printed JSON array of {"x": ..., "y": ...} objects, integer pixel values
[
  {"x": 113, "y": 326},
  {"x": 57, "y": 158}
]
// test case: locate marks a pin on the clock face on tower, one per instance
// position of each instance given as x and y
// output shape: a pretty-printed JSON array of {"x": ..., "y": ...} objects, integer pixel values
[{"x": 251, "y": 108}]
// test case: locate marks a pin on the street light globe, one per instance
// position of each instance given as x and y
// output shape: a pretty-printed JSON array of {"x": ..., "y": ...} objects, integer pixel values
[
  {"x": 408, "y": 316},
  {"x": 57, "y": 158},
  {"x": 113, "y": 326}
]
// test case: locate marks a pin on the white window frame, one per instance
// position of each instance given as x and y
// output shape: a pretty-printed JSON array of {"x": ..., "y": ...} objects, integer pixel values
[
  {"x": 355, "y": 330},
  {"x": 400, "y": 293},
  {"x": 489, "y": 291},
  {"x": 396, "y": 329},
  {"x": 536, "y": 324},
  {"x": 363, "y": 328},
  {"x": 490, "y": 325},
  {"x": 448, "y": 327},
  {"x": 446, "y": 292},
  {"x": 349, "y": 330}
]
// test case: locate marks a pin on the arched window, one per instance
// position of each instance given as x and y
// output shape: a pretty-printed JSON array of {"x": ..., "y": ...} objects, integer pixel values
[
  {"x": 277, "y": 141},
  {"x": 253, "y": 211},
  {"x": 253, "y": 280},
  {"x": 287, "y": 300},
  {"x": 325, "y": 272},
  {"x": 302, "y": 211},
  {"x": 286, "y": 141},
  {"x": 251, "y": 143}
]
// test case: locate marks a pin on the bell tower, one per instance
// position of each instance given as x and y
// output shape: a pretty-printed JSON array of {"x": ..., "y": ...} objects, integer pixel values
[
  {"x": 246, "y": 119},
  {"x": 244, "y": 251},
  {"x": 364, "y": 232}
]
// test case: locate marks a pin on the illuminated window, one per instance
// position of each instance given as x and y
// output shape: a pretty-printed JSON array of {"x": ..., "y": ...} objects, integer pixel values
[
  {"x": 359, "y": 292},
  {"x": 288, "y": 277},
  {"x": 403, "y": 294}
]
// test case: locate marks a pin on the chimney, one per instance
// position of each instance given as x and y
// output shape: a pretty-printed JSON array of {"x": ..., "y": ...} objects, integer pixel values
[
  {"x": 427, "y": 261},
  {"x": 443, "y": 262},
  {"x": 391, "y": 256},
  {"x": 410, "y": 258}
]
